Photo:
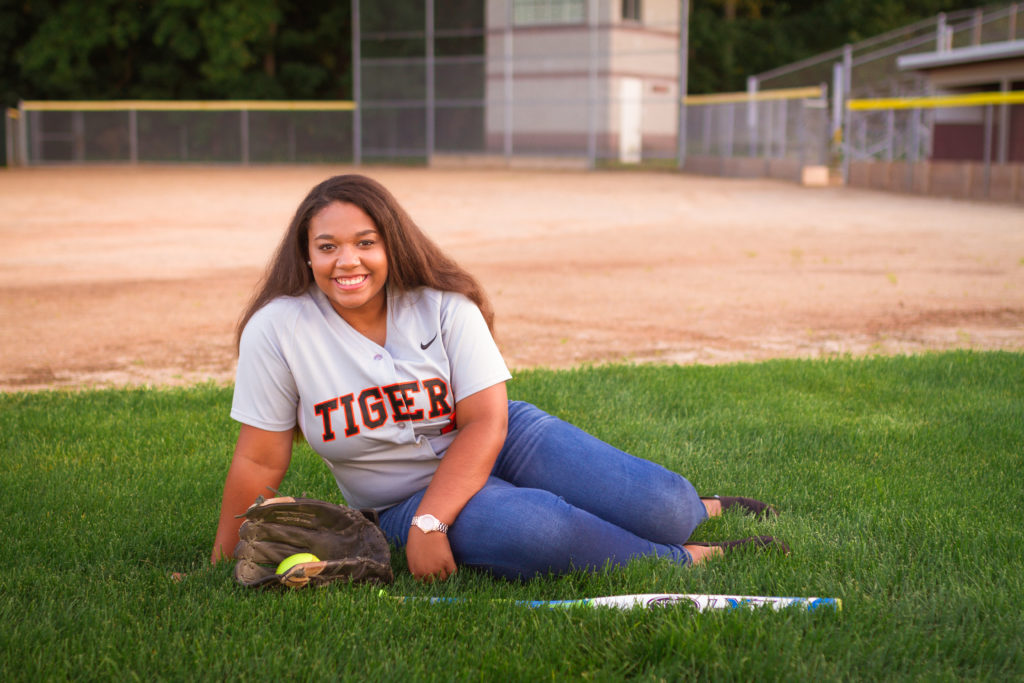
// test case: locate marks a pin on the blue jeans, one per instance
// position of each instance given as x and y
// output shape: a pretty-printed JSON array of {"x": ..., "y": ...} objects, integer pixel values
[{"x": 560, "y": 499}]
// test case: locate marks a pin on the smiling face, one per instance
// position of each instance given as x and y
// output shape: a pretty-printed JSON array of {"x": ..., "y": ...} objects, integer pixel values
[{"x": 349, "y": 264}]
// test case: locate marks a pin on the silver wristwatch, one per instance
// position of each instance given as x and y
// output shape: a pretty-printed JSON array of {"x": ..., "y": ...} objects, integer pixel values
[{"x": 428, "y": 523}]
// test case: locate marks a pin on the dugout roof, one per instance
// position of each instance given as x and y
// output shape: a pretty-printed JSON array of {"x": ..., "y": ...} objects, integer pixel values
[{"x": 966, "y": 66}]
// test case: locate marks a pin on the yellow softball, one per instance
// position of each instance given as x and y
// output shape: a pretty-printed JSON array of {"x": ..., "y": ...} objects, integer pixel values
[{"x": 292, "y": 560}]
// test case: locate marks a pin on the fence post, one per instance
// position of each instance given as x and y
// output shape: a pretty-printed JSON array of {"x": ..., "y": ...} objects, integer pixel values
[
  {"x": 77, "y": 137},
  {"x": 783, "y": 132},
  {"x": 592, "y": 9},
  {"x": 730, "y": 130},
  {"x": 801, "y": 136},
  {"x": 1004, "y": 125},
  {"x": 22, "y": 141},
  {"x": 133, "y": 136},
  {"x": 940, "y": 32},
  {"x": 912, "y": 149},
  {"x": 752, "y": 115},
  {"x": 357, "y": 93},
  {"x": 684, "y": 48},
  {"x": 23, "y": 134},
  {"x": 838, "y": 95},
  {"x": 987, "y": 152},
  {"x": 10, "y": 130},
  {"x": 243, "y": 130},
  {"x": 846, "y": 147},
  {"x": 431, "y": 100},
  {"x": 915, "y": 135},
  {"x": 890, "y": 133},
  {"x": 708, "y": 136},
  {"x": 508, "y": 74},
  {"x": 37, "y": 134}
]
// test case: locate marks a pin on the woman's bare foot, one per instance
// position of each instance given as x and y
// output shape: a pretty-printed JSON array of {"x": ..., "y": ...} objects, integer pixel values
[
  {"x": 713, "y": 506},
  {"x": 699, "y": 553},
  {"x": 702, "y": 551}
]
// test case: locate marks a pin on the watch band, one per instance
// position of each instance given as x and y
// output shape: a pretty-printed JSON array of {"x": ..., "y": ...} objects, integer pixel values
[{"x": 428, "y": 523}]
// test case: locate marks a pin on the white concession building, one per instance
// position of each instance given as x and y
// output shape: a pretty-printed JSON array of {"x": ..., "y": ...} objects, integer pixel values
[{"x": 593, "y": 76}]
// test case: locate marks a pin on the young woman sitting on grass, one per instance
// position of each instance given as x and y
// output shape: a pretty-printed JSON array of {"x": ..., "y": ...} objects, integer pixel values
[{"x": 378, "y": 347}]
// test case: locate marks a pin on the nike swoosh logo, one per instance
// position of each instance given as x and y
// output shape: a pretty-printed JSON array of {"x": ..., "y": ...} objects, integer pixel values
[{"x": 427, "y": 345}]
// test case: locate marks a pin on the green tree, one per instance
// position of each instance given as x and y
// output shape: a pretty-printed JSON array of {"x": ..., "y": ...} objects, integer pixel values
[
  {"x": 731, "y": 39},
  {"x": 79, "y": 47},
  {"x": 314, "y": 50},
  {"x": 104, "y": 49},
  {"x": 849, "y": 21},
  {"x": 230, "y": 45},
  {"x": 177, "y": 49}
]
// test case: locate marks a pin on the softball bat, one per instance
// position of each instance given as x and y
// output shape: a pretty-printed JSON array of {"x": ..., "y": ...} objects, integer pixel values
[{"x": 700, "y": 602}]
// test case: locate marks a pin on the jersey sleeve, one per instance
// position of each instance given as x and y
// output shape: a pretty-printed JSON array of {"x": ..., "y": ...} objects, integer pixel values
[
  {"x": 474, "y": 358},
  {"x": 265, "y": 395}
]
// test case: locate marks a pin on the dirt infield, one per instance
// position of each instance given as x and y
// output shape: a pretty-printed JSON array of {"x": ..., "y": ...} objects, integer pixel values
[{"x": 125, "y": 276}]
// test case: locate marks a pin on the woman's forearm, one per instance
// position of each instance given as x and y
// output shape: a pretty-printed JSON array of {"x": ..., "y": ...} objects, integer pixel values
[
  {"x": 463, "y": 471},
  {"x": 259, "y": 464},
  {"x": 483, "y": 423}
]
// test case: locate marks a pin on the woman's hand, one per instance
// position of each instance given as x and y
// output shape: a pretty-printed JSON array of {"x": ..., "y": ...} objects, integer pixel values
[{"x": 429, "y": 555}]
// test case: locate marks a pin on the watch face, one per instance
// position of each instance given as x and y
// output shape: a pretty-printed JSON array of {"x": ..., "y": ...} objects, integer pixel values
[{"x": 426, "y": 523}]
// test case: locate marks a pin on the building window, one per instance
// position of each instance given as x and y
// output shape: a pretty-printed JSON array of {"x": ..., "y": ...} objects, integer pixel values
[
  {"x": 631, "y": 10},
  {"x": 537, "y": 12}
]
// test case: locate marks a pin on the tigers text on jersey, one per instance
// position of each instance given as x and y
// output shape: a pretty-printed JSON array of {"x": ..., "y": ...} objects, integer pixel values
[{"x": 380, "y": 417}]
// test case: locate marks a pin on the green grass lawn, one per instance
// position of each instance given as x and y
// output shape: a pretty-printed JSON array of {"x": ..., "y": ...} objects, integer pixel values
[{"x": 898, "y": 481}]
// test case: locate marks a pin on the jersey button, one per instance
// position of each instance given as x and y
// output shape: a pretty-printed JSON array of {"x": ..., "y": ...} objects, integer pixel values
[
  {"x": 401, "y": 425},
  {"x": 378, "y": 357}
]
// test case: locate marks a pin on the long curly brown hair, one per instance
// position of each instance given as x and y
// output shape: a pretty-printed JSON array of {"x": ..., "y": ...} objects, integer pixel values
[{"x": 414, "y": 260}]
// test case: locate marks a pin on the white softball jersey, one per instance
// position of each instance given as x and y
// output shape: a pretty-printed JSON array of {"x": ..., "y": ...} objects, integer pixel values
[{"x": 381, "y": 417}]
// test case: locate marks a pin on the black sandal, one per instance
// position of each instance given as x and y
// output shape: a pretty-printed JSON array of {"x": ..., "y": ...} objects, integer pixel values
[
  {"x": 756, "y": 542},
  {"x": 749, "y": 506}
]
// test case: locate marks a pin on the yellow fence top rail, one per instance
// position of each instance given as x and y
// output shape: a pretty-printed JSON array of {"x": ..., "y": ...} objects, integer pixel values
[
  {"x": 188, "y": 105},
  {"x": 762, "y": 96},
  {"x": 969, "y": 100}
]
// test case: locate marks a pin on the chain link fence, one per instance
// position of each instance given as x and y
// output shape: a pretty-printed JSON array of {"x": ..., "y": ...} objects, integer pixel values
[
  {"x": 589, "y": 82},
  {"x": 871, "y": 69},
  {"x": 592, "y": 82},
  {"x": 179, "y": 131},
  {"x": 773, "y": 133}
]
